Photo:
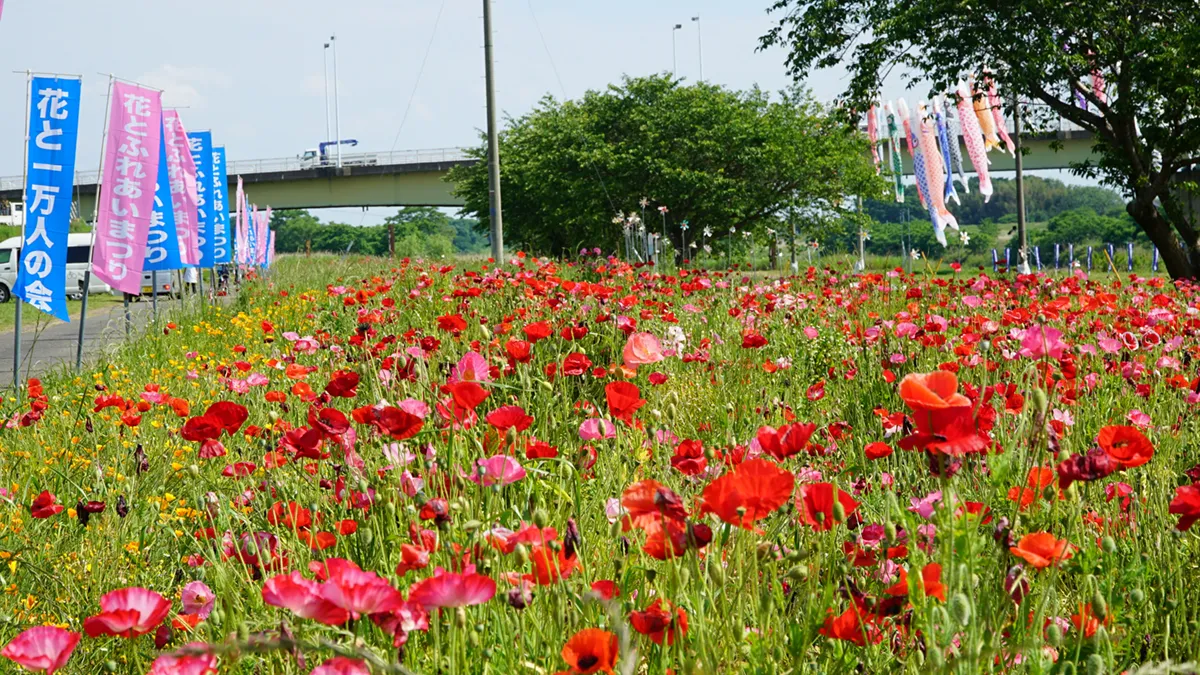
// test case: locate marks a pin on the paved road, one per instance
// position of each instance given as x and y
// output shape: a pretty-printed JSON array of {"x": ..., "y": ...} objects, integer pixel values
[{"x": 54, "y": 345}]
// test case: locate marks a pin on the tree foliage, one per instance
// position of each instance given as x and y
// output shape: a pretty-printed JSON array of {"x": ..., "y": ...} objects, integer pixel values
[
  {"x": 716, "y": 158},
  {"x": 418, "y": 231},
  {"x": 1144, "y": 123}
]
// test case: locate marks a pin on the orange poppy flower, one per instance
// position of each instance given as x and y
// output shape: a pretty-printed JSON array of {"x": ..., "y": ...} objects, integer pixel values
[
  {"x": 751, "y": 492},
  {"x": 1040, "y": 478},
  {"x": 931, "y": 583},
  {"x": 591, "y": 650},
  {"x": 1126, "y": 445},
  {"x": 1041, "y": 549},
  {"x": 932, "y": 391},
  {"x": 649, "y": 501},
  {"x": 944, "y": 418}
]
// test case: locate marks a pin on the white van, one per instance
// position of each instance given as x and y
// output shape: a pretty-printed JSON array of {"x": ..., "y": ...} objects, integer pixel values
[{"x": 79, "y": 255}]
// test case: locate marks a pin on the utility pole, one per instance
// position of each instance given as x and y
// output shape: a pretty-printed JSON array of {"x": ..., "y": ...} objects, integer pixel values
[
  {"x": 337, "y": 106},
  {"x": 495, "y": 214},
  {"x": 1022, "y": 242},
  {"x": 700, "y": 44},
  {"x": 674, "y": 59},
  {"x": 325, "y": 71}
]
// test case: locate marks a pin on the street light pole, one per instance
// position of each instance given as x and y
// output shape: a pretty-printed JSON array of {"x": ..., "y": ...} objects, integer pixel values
[
  {"x": 325, "y": 72},
  {"x": 495, "y": 214},
  {"x": 700, "y": 45},
  {"x": 674, "y": 59},
  {"x": 1022, "y": 240},
  {"x": 337, "y": 107}
]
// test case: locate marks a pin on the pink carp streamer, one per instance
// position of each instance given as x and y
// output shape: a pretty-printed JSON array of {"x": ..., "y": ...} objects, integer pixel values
[
  {"x": 913, "y": 150},
  {"x": 935, "y": 173},
  {"x": 873, "y": 136},
  {"x": 973, "y": 139},
  {"x": 998, "y": 115}
]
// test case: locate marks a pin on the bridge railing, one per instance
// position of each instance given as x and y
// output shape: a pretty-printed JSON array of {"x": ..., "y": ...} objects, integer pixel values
[{"x": 252, "y": 166}]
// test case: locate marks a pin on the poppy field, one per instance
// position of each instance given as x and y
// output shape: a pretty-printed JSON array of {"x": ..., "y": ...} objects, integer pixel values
[{"x": 397, "y": 466}]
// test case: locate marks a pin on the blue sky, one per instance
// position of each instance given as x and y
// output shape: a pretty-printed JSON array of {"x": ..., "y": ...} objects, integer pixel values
[{"x": 251, "y": 70}]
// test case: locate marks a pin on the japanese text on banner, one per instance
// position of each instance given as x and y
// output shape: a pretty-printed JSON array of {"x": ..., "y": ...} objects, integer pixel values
[
  {"x": 181, "y": 171},
  {"x": 200, "y": 144},
  {"x": 162, "y": 243},
  {"x": 222, "y": 248},
  {"x": 50, "y": 174},
  {"x": 127, "y": 186}
]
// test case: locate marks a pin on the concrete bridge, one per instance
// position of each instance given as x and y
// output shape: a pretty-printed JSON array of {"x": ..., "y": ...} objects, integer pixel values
[{"x": 417, "y": 177}]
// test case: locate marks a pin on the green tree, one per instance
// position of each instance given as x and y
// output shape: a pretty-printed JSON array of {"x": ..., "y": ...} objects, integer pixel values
[
  {"x": 1144, "y": 125},
  {"x": 716, "y": 158}
]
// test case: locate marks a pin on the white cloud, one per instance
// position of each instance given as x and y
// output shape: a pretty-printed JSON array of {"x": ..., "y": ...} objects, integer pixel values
[{"x": 186, "y": 87}]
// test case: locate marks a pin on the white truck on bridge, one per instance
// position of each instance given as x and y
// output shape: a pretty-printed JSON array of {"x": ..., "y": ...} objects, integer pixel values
[{"x": 322, "y": 156}]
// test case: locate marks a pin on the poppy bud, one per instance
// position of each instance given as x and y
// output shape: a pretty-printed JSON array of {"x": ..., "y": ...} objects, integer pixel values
[
  {"x": 88, "y": 425},
  {"x": 122, "y": 506},
  {"x": 1040, "y": 402},
  {"x": 110, "y": 666},
  {"x": 540, "y": 518},
  {"x": 1054, "y": 635},
  {"x": 839, "y": 512},
  {"x": 1099, "y": 605},
  {"x": 650, "y": 576},
  {"x": 934, "y": 658},
  {"x": 162, "y": 636},
  {"x": 194, "y": 470},
  {"x": 798, "y": 574},
  {"x": 1137, "y": 596},
  {"x": 460, "y": 617},
  {"x": 1109, "y": 544},
  {"x": 889, "y": 531},
  {"x": 1094, "y": 664},
  {"x": 960, "y": 609}
]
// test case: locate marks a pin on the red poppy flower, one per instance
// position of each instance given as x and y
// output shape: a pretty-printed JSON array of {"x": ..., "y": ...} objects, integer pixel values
[
  {"x": 750, "y": 492},
  {"x": 1041, "y": 549},
  {"x": 468, "y": 395},
  {"x": 45, "y": 505},
  {"x": 853, "y": 626},
  {"x": 591, "y": 650},
  {"x": 753, "y": 340},
  {"x": 944, "y": 418},
  {"x": 201, "y": 429},
  {"x": 228, "y": 415},
  {"x": 1096, "y": 464},
  {"x": 537, "y": 331},
  {"x": 649, "y": 501},
  {"x": 343, "y": 384},
  {"x": 576, "y": 364},
  {"x": 930, "y": 584},
  {"x": 509, "y": 417},
  {"x": 329, "y": 421},
  {"x": 394, "y": 422},
  {"x": 689, "y": 458},
  {"x": 605, "y": 589},
  {"x": 624, "y": 398},
  {"x": 1186, "y": 505},
  {"x": 1126, "y": 445},
  {"x": 519, "y": 351},
  {"x": 45, "y": 648},
  {"x": 128, "y": 613},
  {"x": 786, "y": 441},
  {"x": 877, "y": 450},
  {"x": 452, "y": 323},
  {"x": 817, "y": 502},
  {"x": 658, "y": 621},
  {"x": 1039, "y": 478}
]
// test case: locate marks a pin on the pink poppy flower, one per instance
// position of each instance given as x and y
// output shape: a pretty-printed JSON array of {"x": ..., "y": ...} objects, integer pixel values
[
  {"x": 1138, "y": 418},
  {"x": 471, "y": 368},
  {"x": 303, "y": 597},
  {"x": 185, "y": 664},
  {"x": 1042, "y": 341},
  {"x": 449, "y": 589},
  {"x": 642, "y": 349},
  {"x": 42, "y": 648},
  {"x": 197, "y": 598},
  {"x": 358, "y": 592},
  {"x": 341, "y": 665},
  {"x": 414, "y": 407},
  {"x": 497, "y": 470},
  {"x": 128, "y": 612},
  {"x": 596, "y": 428}
]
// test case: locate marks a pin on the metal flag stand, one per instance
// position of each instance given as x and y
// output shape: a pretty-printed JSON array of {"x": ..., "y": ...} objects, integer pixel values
[
  {"x": 17, "y": 298},
  {"x": 87, "y": 273}
]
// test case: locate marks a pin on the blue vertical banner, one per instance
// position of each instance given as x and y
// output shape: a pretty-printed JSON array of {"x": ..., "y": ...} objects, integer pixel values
[
  {"x": 1037, "y": 255},
  {"x": 49, "y": 179},
  {"x": 1154, "y": 260},
  {"x": 222, "y": 241},
  {"x": 1129, "y": 256},
  {"x": 1057, "y": 249},
  {"x": 200, "y": 144},
  {"x": 1089, "y": 258},
  {"x": 995, "y": 262},
  {"x": 1071, "y": 255},
  {"x": 162, "y": 240}
]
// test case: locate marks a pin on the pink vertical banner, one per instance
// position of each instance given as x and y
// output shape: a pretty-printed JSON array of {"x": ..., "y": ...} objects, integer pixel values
[
  {"x": 127, "y": 186},
  {"x": 240, "y": 235},
  {"x": 264, "y": 219},
  {"x": 181, "y": 172}
]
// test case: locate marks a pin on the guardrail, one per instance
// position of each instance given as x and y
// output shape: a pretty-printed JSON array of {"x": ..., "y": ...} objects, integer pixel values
[{"x": 280, "y": 164}]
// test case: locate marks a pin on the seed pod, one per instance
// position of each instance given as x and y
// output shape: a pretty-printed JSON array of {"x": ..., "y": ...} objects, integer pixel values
[
  {"x": 839, "y": 513},
  {"x": 960, "y": 609},
  {"x": 1040, "y": 401},
  {"x": 1099, "y": 605}
]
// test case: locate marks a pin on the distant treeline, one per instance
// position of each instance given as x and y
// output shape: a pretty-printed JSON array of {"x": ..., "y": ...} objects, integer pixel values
[{"x": 418, "y": 231}]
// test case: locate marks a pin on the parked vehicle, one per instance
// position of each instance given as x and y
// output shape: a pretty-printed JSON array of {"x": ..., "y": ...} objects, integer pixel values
[
  {"x": 12, "y": 213},
  {"x": 326, "y": 155},
  {"x": 79, "y": 255}
]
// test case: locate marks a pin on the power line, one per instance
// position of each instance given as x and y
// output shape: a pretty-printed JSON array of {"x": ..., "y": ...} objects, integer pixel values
[{"x": 420, "y": 72}]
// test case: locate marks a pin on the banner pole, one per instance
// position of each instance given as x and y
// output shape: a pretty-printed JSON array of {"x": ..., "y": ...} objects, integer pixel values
[
  {"x": 154, "y": 292},
  {"x": 128, "y": 318},
  {"x": 24, "y": 188},
  {"x": 87, "y": 273}
]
